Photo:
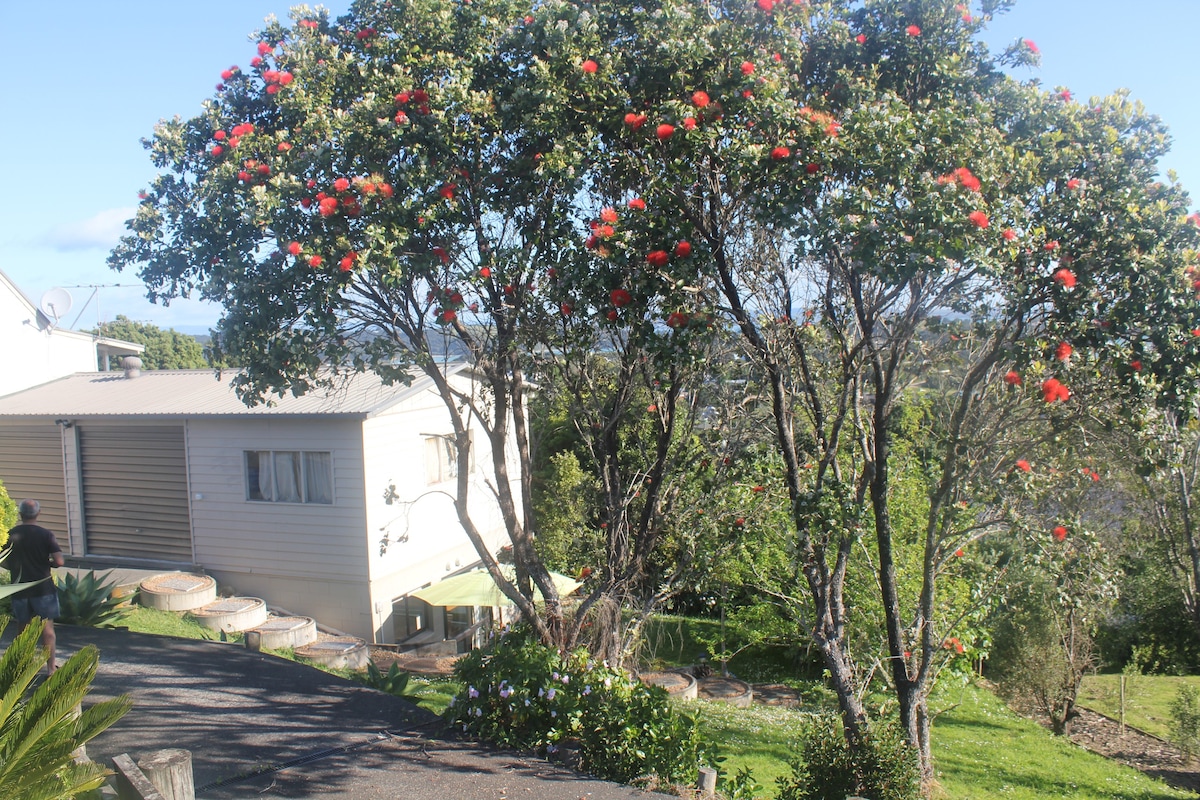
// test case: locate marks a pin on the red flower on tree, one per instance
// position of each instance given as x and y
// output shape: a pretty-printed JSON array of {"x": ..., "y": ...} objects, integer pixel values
[
  {"x": 1063, "y": 351},
  {"x": 979, "y": 219},
  {"x": 315, "y": 261},
  {"x": 664, "y": 131},
  {"x": 447, "y": 191},
  {"x": 780, "y": 153},
  {"x": 1054, "y": 391},
  {"x": 1064, "y": 278},
  {"x": 677, "y": 319},
  {"x": 635, "y": 121},
  {"x": 747, "y": 67},
  {"x": 637, "y": 204},
  {"x": 294, "y": 248},
  {"x": 913, "y": 30},
  {"x": 1012, "y": 378},
  {"x": 861, "y": 38},
  {"x": 1023, "y": 465},
  {"x": 658, "y": 258},
  {"x": 1136, "y": 366},
  {"x": 1029, "y": 44},
  {"x": 1059, "y": 533},
  {"x": 683, "y": 249},
  {"x": 1073, "y": 184},
  {"x": 1009, "y": 234},
  {"x": 700, "y": 99},
  {"x": 620, "y": 298},
  {"x": 589, "y": 66},
  {"x": 689, "y": 123},
  {"x": 608, "y": 214}
]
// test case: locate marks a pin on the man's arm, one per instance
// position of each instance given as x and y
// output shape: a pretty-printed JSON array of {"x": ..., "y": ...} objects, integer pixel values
[{"x": 56, "y": 558}]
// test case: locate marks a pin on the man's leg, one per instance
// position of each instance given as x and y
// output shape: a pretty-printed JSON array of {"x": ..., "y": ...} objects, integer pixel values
[{"x": 49, "y": 641}]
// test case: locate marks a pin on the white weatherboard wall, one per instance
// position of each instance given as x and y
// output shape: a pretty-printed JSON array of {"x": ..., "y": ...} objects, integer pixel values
[
  {"x": 436, "y": 546},
  {"x": 34, "y": 354},
  {"x": 308, "y": 558}
]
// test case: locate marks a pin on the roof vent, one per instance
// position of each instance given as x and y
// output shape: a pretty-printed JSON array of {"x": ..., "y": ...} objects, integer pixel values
[{"x": 132, "y": 366}]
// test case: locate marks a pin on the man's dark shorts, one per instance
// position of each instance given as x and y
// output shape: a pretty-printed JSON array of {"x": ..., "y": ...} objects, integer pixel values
[{"x": 26, "y": 608}]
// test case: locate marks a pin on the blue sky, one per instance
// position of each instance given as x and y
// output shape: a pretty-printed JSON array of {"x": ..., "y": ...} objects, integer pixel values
[{"x": 86, "y": 83}]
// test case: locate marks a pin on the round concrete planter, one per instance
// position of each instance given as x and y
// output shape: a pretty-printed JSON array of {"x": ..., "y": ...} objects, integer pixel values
[
  {"x": 727, "y": 690},
  {"x": 336, "y": 651},
  {"x": 681, "y": 685},
  {"x": 278, "y": 633},
  {"x": 232, "y": 614},
  {"x": 177, "y": 591}
]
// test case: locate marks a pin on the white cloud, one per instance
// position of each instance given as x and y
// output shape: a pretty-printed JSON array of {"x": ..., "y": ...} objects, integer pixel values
[{"x": 100, "y": 231}]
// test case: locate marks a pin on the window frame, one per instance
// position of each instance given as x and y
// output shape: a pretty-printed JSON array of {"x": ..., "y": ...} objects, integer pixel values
[{"x": 303, "y": 463}]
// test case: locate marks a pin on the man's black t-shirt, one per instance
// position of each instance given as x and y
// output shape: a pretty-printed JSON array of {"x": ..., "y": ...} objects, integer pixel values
[{"x": 30, "y": 558}]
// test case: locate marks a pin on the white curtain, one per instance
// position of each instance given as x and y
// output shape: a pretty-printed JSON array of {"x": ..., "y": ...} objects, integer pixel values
[
  {"x": 266, "y": 483},
  {"x": 318, "y": 478},
  {"x": 287, "y": 477}
]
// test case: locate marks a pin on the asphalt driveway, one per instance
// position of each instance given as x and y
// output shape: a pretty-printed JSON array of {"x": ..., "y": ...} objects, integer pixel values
[{"x": 260, "y": 726}]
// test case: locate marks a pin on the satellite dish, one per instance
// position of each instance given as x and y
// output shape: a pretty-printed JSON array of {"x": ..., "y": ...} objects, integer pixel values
[{"x": 55, "y": 303}]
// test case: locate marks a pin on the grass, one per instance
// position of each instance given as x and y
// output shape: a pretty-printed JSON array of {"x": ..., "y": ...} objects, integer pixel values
[
  {"x": 983, "y": 751},
  {"x": 1148, "y": 699},
  {"x": 762, "y": 738}
]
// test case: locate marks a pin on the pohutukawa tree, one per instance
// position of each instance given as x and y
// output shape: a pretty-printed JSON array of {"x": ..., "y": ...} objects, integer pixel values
[
  {"x": 834, "y": 180},
  {"x": 899, "y": 180},
  {"x": 406, "y": 185}
]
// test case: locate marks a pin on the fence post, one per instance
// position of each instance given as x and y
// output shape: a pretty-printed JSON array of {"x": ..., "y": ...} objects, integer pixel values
[
  {"x": 707, "y": 783},
  {"x": 171, "y": 773}
]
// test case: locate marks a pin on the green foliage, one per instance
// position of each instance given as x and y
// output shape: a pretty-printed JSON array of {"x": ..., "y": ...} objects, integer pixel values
[
  {"x": 39, "y": 730},
  {"x": 1185, "y": 720},
  {"x": 88, "y": 601},
  {"x": 8, "y": 514},
  {"x": 882, "y": 766},
  {"x": 523, "y": 695},
  {"x": 165, "y": 349},
  {"x": 395, "y": 682},
  {"x": 742, "y": 786}
]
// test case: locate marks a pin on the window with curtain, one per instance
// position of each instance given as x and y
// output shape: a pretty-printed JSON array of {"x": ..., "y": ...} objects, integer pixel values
[
  {"x": 289, "y": 476},
  {"x": 441, "y": 458}
]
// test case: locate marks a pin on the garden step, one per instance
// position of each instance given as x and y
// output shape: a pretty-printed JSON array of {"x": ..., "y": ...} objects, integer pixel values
[
  {"x": 279, "y": 633},
  {"x": 336, "y": 651},
  {"x": 177, "y": 591},
  {"x": 232, "y": 614}
]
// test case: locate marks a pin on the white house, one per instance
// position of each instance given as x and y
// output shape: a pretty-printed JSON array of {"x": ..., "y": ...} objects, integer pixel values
[
  {"x": 288, "y": 502},
  {"x": 39, "y": 350}
]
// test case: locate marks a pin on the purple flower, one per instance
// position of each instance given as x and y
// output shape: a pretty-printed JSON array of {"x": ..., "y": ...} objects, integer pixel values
[
  {"x": 587, "y": 690},
  {"x": 550, "y": 694},
  {"x": 472, "y": 692}
]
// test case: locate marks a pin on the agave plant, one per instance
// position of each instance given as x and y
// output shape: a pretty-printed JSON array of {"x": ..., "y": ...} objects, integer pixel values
[
  {"x": 88, "y": 601},
  {"x": 395, "y": 682},
  {"x": 39, "y": 729}
]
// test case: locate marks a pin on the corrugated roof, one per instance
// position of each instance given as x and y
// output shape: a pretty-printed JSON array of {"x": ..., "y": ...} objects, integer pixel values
[{"x": 188, "y": 392}]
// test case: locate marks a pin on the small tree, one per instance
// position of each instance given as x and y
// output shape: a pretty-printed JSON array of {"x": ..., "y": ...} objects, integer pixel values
[
  {"x": 1185, "y": 720},
  {"x": 165, "y": 349},
  {"x": 8, "y": 514}
]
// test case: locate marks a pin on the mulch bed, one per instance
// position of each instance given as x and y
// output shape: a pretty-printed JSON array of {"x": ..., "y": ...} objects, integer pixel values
[{"x": 1133, "y": 748}]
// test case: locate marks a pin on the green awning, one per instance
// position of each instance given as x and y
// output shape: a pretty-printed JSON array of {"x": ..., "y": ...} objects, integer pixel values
[{"x": 476, "y": 588}]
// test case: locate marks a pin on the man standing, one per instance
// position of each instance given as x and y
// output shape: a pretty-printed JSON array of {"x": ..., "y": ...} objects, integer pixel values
[{"x": 34, "y": 550}]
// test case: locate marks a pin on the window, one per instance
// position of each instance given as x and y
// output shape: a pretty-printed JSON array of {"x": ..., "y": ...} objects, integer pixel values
[
  {"x": 441, "y": 459},
  {"x": 289, "y": 476},
  {"x": 410, "y": 616}
]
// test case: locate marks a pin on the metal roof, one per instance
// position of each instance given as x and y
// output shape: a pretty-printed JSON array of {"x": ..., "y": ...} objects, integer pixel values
[{"x": 196, "y": 393}]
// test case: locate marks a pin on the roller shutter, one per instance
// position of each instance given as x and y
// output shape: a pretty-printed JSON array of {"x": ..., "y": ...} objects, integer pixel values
[
  {"x": 135, "y": 501},
  {"x": 31, "y": 465}
]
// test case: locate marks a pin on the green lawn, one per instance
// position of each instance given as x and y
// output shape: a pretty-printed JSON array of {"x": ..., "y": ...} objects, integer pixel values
[
  {"x": 983, "y": 751},
  {"x": 1148, "y": 699}
]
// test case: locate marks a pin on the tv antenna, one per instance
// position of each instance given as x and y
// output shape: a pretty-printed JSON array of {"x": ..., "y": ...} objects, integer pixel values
[
  {"x": 55, "y": 303},
  {"x": 95, "y": 295}
]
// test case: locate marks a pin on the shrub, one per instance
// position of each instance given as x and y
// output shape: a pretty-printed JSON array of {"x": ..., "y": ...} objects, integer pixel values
[
  {"x": 8, "y": 514},
  {"x": 1185, "y": 720},
  {"x": 522, "y": 694},
  {"x": 883, "y": 767},
  {"x": 87, "y": 601}
]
